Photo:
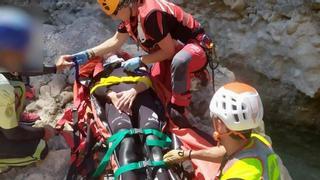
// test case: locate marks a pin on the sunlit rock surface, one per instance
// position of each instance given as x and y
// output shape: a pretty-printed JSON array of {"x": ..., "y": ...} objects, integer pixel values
[{"x": 277, "y": 38}]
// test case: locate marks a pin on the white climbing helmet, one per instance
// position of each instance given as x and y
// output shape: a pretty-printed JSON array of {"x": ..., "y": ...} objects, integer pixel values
[{"x": 238, "y": 105}]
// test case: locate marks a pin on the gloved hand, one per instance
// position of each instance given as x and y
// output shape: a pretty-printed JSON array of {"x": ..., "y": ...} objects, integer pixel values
[
  {"x": 132, "y": 64},
  {"x": 176, "y": 156},
  {"x": 83, "y": 57}
]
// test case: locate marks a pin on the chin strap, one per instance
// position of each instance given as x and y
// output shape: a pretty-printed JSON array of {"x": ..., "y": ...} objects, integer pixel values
[{"x": 217, "y": 136}]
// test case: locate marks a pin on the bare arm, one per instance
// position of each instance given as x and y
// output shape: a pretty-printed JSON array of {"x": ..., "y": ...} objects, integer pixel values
[
  {"x": 111, "y": 45},
  {"x": 167, "y": 51},
  {"x": 214, "y": 154}
]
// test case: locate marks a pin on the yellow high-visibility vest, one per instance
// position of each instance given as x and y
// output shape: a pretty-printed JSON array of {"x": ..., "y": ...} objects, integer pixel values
[
  {"x": 10, "y": 107},
  {"x": 256, "y": 161}
]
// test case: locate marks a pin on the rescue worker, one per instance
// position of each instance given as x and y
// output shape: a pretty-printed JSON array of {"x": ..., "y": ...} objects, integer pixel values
[
  {"x": 20, "y": 145},
  {"x": 236, "y": 110},
  {"x": 169, "y": 35}
]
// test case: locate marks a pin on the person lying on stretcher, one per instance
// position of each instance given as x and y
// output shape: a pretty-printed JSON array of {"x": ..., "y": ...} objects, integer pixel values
[{"x": 130, "y": 103}]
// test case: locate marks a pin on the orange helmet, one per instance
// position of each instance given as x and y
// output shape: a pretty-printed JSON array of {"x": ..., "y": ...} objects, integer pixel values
[{"x": 109, "y": 6}]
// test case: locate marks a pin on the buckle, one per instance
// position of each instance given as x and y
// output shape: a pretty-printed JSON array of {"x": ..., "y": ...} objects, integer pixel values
[
  {"x": 145, "y": 164},
  {"x": 138, "y": 131}
]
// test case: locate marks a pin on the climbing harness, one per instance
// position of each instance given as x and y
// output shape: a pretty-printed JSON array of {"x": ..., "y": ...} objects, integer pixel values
[{"x": 208, "y": 45}]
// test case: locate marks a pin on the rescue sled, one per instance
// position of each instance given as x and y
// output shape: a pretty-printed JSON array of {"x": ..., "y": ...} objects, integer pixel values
[{"x": 91, "y": 152}]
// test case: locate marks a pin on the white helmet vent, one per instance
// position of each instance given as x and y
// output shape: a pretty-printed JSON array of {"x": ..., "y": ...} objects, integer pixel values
[{"x": 239, "y": 111}]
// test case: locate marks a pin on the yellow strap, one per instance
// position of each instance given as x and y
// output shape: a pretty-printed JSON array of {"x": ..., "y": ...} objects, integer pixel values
[
  {"x": 112, "y": 80},
  {"x": 41, "y": 146},
  {"x": 16, "y": 162},
  {"x": 274, "y": 171},
  {"x": 261, "y": 138}
]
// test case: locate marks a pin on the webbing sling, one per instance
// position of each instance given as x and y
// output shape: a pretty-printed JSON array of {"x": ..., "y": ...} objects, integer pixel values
[
  {"x": 112, "y": 80},
  {"x": 138, "y": 165},
  {"x": 115, "y": 140}
]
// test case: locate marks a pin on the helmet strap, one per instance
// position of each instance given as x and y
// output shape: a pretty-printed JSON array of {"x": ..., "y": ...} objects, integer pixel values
[
  {"x": 217, "y": 136},
  {"x": 239, "y": 134}
]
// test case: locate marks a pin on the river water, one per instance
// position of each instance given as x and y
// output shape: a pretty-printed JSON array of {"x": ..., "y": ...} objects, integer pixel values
[{"x": 299, "y": 151}]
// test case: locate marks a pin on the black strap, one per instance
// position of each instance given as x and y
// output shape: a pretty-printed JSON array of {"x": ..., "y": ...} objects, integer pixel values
[
  {"x": 73, "y": 170},
  {"x": 11, "y": 77}
]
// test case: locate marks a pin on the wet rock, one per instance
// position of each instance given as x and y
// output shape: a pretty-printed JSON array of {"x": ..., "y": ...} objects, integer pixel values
[
  {"x": 292, "y": 27},
  {"x": 236, "y": 5},
  {"x": 39, "y": 81},
  {"x": 45, "y": 91},
  {"x": 57, "y": 143},
  {"x": 32, "y": 107},
  {"x": 316, "y": 41},
  {"x": 47, "y": 110},
  {"x": 177, "y": 1},
  {"x": 315, "y": 5},
  {"x": 277, "y": 39},
  {"x": 57, "y": 84},
  {"x": 202, "y": 97},
  {"x": 54, "y": 167},
  {"x": 66, "y": 97}
]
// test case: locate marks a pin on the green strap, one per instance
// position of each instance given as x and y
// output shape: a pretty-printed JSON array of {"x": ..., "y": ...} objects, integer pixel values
[
  {"x": 160, "y": 143},
  {"x": 163, "y": 141},
  {"x": 126, "y": 168},
  {"x": 113, "y": 142},
  {"x": 137, "y": 165},
  {"x": 155, "y": 132},
  {"x": 116, "y": 139}
]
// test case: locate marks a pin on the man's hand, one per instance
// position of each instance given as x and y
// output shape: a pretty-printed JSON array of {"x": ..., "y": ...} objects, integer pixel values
[
  {"x": 49, "y": 132},
  {"x": 132, "y": 64},
  {"x": 64, "y": 62},
  {"x": 115, "y": 98},
  {"x": 126, "y": 99},
  {"x": 176, "y": 156}
]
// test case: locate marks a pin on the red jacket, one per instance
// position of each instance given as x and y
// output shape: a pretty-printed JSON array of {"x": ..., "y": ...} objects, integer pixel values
[{"x": 149, "y": 6}]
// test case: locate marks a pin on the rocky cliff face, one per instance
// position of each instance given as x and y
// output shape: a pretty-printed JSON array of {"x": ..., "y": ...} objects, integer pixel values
[
  {"x": 68, "y": 27},
  {"x": 279, "y": 38}
]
